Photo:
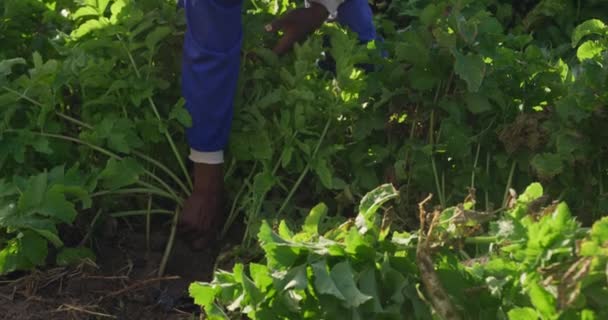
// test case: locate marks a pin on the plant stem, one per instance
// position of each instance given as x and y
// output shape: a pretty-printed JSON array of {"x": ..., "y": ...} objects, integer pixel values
[
  {"x": 180, "y": 161},
  {"x": 162, "y": 167},
  {"x": 177, "y": 198},
  {"x": 601, "y": 174},
  {"x": 169, "y": 247},
  {"x": 305, "y": 171},
  {"x": 481, "y": 240},
  {"x": 434, "y": 165},
  {"x": 133, "y": 213},
  {"x": 157, "y": 192},
  {"x": 90, "y": 127},
  {"x": 486, "y": 192},
  {"x": 407, "y": 157},
  {"x": 91, "y": 226},
  {"x": 475, "y": 166},
  {"x": 109, "y": 154},
  {"x": 259, "y": 201},
  {"x": 38, "y": 104},
  {"x": 233, "y": 213},
  {"x": 509, "y": 183},
  {"x": 148, "y": 223}
]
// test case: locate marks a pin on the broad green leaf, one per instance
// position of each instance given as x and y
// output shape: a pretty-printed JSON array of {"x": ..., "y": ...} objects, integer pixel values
[
  {"x": 477, "y": 103},
  {"x": 179, "y": 113},
  {"x": 7, "y": 189},
  {"x": 202, "y": 293},
  {"x": 44, "y": 227},
  {"x": 343, "y": 277},
  {"x": 120, "y": 173},
  {"x": 116, "y": 9},
  {"x": 593, "y": 26},
  {"x": 564, "y": 69},
  {"x": 101, "y": 6},
  {"x": 561, "y": 219},
  {"x": 471, "y": 68},
  {"x": 370, "y": 204},
  {"x": 429, "y": 14},
  {"x": 262, "y": 183},
  {"x": 413, "y": 49},
  {"x": 41, "y": 145},
  {"x": 84, "y": 12},
  {"x": 547, "y": 165},
  {"x": 588, "y": 315},
  {"x": 542, "y": 300},
  {"x": 284, "y": 231},
  {"x": 311, "y": 224},
  {"x": 324, "y": 284},
  {"x": 54, "y": 205},
  {"x": 590, "y": 49},
  {"x": 261, "y": 275},
  {"x": 357, "y": 244},
  {"x": 421, "y": 78},
  {"x": 368, "y": 283},
  {"x": 532, "y": 192},
  {"x": 445, "y": 37},
  {"x": 523, "y": 314},
  {"x": 599, "y": 231},
  {"x": 295, "y": 278},
  {"x": 12, "y": 257},
  {"x": 322, "y": 170},
  {"x": 72, "y": 256},
  {"x": 253, "y": 293},
  {"x": 87, "y": 27},
  {"x": 468, "y": 29},
  {"x": 34, "y": 247},
  {"x": 278, "y": 252},
  {"x": 37, "y": 59},
  {"x": 34, "y": 192},
  {"x": 10, "y": 218},
  {"x": 6, "y": 67}
]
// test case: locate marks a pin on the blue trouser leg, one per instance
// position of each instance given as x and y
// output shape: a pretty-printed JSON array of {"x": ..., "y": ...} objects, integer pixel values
[
  {"x": 357, "y": 16},
  {"x": 211, "y": 62}
]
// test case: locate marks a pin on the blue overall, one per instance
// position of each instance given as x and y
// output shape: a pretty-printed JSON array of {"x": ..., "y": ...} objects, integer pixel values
[{"x": 211, "y": 61}]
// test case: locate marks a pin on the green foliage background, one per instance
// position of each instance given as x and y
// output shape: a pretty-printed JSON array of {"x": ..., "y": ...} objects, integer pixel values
[{"x": 485, "y": 95}]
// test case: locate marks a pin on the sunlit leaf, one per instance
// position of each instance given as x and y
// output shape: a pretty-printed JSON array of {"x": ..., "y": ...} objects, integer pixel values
[{"x": 593, "y": 26}]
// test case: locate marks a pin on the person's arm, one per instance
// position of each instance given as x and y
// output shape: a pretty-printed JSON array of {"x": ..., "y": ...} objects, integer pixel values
[{"x": 297, "y": 25}]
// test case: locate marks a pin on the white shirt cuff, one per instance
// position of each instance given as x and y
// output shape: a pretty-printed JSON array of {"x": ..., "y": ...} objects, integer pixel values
[
  {"x": 215, "y": 157},
  {"x": 330, "y": 5}
]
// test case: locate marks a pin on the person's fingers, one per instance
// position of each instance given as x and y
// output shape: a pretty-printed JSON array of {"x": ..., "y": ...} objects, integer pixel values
[
  {"x": 285, "y": 43},
  {"x": 189, "y": 218},
  {"x": 279, "y": 23}
]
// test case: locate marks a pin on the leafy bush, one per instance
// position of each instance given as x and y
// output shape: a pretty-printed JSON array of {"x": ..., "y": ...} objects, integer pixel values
[
  {"x": 471, "y": 93},
  {"x": 532, "y": 264},
  {"x": 31, "y": 208}
]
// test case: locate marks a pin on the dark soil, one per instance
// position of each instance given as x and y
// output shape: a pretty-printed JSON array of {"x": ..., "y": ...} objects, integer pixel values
[{"x": 122, "y": 284}]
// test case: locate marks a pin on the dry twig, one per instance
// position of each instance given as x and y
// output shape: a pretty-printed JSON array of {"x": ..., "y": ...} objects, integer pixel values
[
  {"x": 434, "y": 288},
  {"x": 68, "y": 308},
  {"x": 140, "y": 285}
]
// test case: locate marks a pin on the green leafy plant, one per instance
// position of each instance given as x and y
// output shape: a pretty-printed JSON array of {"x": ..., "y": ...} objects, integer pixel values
[
  {"x": 540, "y": 264},
  {"x": 31, "y": 209},
  {"x": 489, "y": 94}
]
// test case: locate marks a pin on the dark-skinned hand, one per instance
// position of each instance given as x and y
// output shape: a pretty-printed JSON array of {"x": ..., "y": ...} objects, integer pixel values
[
  {"x": 296, "y": 25},
  {"x": 201, "y": 215}
]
